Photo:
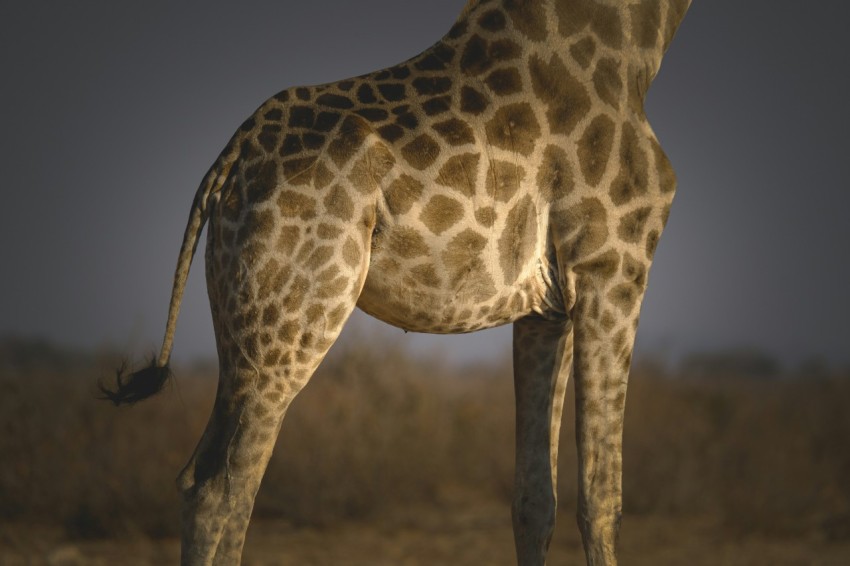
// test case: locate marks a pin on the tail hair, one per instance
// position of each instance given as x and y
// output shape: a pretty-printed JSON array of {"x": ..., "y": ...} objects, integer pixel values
[
  {"x": 136, "y": 386},
  {"x": 144, "y": 383}
]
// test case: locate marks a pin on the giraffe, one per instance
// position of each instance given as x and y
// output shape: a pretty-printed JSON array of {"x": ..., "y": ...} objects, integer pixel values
[{"x": 507, "y": 174}]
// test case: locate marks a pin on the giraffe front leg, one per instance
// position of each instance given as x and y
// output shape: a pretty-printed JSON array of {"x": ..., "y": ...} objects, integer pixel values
[
  {"x": 542, "y": 360},
  {"x": 605, "y": 321}
]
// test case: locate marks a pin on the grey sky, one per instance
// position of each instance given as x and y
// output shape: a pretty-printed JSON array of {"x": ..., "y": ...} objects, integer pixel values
[{"x": 112, "y": 111}]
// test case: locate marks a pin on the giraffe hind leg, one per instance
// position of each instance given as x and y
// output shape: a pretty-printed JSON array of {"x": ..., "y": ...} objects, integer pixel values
[
  {"x": 220, "y": 482},
  {"x": 275, "y": 318}
]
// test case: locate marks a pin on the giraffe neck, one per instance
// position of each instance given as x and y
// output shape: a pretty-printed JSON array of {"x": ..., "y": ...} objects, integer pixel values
[{"x": 634, "y": 33}]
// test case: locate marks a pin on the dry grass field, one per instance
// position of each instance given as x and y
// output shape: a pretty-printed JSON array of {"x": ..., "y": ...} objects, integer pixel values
[{"x": 391, "y": 458}]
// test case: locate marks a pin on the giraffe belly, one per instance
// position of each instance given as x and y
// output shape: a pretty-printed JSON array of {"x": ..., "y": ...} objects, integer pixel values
[
  {"x": 419, "y": 309},
  {"x": 450, "y": 289}
]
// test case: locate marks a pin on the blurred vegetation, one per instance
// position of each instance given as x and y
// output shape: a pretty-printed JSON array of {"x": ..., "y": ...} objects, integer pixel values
[{"x": 379, "y": 428}]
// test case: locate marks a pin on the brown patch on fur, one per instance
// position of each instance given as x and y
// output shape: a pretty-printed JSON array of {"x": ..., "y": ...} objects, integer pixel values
[
  {"x": 606, "y": 80},
  {"x": 441, "y": 213},
  {"x": 348, "y": 140},
  {"x": 504, "y": 179},
  {"x": 583, "y": 229},
  {"x": 427, "y": 275},
  {"x": 514, "y": 128},
  {"x": 633, "y": 225},
  {"x": 486, "y": 216},
  {"x": 594, "y": 148},
  {"x": 565, "y": 97},
  {"x": 518, "y": 240},
  {"x": 421, "y": 152},
  {"x": 666, "y": 174},
  {"x": 339, "y": 204},
  {"x": 406, "y": 243},
  {"x": 504, "y": 81},
  {"x": 633, "y": 177},
  {"x": 402, "y": 193},
  {"x": 555, "y": 176},
  {"x": 527, "y": 17},
  {"x": 583, "y": 51},
  {"x": 472, "y": 101},
  {"x": 460, "y": 173},
  {"x": 467, "y": 274},
  {"x": 455, "y": 132},
  {"x": 604, "y": 21},
  {"x": 292, "y": 204},
  {"x": 351, "y": 252}
]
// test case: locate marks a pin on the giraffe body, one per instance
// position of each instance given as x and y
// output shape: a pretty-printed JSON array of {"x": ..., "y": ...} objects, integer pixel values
[{"x": 506, "y": 174}]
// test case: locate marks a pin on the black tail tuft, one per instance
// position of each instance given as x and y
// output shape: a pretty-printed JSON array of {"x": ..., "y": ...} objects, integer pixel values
[{"x": 137, "y": 386}]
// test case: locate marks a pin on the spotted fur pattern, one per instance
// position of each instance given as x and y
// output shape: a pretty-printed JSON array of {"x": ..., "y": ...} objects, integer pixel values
[{"x": 506, "y": 174}]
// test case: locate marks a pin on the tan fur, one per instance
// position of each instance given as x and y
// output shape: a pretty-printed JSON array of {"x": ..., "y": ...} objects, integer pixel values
[{"x": 506, "y": 174}]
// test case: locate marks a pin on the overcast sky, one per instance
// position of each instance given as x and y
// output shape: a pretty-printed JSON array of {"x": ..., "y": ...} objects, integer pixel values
[{"x": 111, "y": 112}]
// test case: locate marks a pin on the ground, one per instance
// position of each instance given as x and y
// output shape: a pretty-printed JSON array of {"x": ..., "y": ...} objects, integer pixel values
[
  {"x": 415, "y": 465},
  {"x": 451, "y": 535}
]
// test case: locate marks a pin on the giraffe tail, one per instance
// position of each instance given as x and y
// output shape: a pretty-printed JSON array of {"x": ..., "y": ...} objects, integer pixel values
[{"x": 141, "y": 384}]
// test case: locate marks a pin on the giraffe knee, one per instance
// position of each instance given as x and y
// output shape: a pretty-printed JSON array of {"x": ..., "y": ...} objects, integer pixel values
[
  {"x": 206, "y": 470},
  {"x": 600, "y": 530}
]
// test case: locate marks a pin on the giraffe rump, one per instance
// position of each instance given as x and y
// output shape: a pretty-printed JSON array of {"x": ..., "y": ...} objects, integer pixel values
[{"x": 136, "y": 386}]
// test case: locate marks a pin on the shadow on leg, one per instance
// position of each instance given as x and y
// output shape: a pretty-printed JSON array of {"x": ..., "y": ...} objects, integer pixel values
[{"x": 542, "y": 360}]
